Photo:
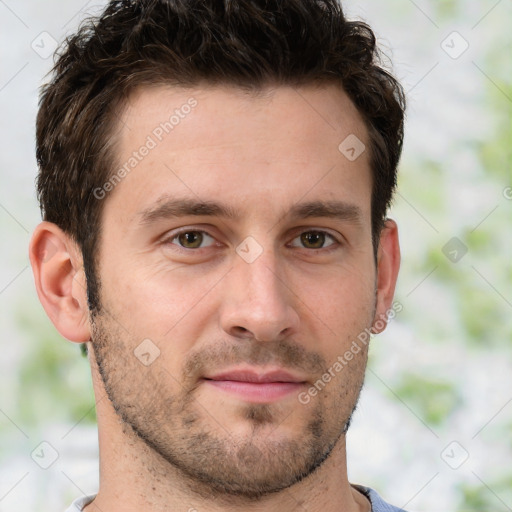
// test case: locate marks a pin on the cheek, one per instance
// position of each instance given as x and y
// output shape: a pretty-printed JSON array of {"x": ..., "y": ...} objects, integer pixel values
[
  {"x": 336, "y": 315},
  {"x": 343, "y": 298},
  {"x": 158, "y": 302}
]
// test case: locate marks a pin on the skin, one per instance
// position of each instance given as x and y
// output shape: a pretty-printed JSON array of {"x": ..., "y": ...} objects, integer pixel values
[{"x": 169, "y": 439}]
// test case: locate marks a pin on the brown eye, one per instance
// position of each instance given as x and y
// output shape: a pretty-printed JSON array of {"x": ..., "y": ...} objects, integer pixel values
[
  {"x": 314, "y": 240},
  {"x": 192, "y": 239}
]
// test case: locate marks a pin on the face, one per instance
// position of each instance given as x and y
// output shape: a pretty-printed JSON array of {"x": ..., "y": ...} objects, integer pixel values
[{"x": 236, "y": 268}]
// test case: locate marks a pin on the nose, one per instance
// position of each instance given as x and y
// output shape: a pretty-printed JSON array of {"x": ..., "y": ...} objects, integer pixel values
[{"x": 258, "y": 301}]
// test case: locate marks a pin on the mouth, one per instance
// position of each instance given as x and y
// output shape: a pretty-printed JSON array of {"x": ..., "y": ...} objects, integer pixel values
[{"x": 256, "y": 386}]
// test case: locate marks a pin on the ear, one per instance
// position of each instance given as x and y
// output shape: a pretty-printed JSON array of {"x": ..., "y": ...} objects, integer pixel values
[
  {"x": 388, "y": 264},
  {"x": 60, "y": 280}
]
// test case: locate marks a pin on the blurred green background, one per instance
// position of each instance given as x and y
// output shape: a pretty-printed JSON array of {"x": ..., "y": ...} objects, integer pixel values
[{"x": 433, "y": 431}]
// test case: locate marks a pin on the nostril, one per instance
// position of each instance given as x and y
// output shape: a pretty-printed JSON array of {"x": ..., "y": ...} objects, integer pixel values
[{"x": 240, "y": 331}]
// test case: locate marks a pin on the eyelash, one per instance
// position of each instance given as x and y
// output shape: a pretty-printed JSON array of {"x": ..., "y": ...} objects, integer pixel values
[{"x": 334, "y": 245}]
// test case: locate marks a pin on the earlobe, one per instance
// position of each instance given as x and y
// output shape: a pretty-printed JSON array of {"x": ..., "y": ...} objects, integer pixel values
[
  {"x": 388, "y": 265},
  {"x": 60, "y": 280}
]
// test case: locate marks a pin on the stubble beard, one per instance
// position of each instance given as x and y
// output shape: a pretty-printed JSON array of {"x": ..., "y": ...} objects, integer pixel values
[{"x": 212, "y": 461}]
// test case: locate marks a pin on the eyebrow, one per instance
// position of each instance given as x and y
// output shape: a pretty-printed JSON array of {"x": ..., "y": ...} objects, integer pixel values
[
  {"x": 168, "y": 208},
  {"x": 339, "y": 210}
]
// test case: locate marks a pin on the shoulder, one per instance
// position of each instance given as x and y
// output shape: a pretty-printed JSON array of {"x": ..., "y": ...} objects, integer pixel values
[
  {"x": 79, "y": 504},
  {"x": 378, "y": 504}
]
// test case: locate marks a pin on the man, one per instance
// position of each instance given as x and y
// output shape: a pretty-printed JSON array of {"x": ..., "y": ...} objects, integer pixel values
[{"x": 214, "y": 180}]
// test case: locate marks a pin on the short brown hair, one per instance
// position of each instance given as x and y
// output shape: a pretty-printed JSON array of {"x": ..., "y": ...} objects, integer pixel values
[{"x": 247, "y": 43}]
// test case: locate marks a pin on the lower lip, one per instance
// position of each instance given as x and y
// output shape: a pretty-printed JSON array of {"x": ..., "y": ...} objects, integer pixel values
[{"x": 259, "y": 392}]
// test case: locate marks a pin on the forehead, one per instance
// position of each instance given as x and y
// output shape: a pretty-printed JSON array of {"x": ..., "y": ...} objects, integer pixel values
[
  {"x": 160, "y": 108},
  {"x": 277, "y": 145}
]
